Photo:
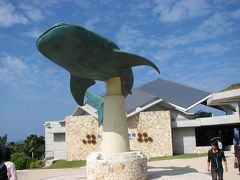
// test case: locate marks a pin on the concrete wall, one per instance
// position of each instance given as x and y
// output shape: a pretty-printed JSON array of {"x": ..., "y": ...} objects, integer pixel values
[
  {"x": 184, "y": 140},
  {"x": 55, "y": 145},
  {"x": 207, "y": 121},
  {"x": 156, "y": 124}
]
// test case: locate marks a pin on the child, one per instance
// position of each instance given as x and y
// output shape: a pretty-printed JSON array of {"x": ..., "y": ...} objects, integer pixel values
[{"x": 215, "y": 157}]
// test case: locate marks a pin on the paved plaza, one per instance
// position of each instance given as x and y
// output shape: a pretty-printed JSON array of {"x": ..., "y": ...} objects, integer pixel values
[{"x": 179, "y": 169}]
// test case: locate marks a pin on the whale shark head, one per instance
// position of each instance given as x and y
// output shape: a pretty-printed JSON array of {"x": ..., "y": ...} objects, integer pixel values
[
  {"x": 60, "y": 44},
  {"x": 65, "y": 43}
]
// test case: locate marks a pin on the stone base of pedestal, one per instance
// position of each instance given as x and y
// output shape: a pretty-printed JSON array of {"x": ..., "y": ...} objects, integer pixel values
[{"x": 118, "y": 166}]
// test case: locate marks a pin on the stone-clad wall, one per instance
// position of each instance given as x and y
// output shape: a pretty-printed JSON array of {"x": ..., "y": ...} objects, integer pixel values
[
  {"x": 77, "y": 127},
  {"x": 155, "y": 123}
]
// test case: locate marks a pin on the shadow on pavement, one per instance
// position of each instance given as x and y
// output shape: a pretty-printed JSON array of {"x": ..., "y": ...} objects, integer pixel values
[{"x": 157, "y": 172}]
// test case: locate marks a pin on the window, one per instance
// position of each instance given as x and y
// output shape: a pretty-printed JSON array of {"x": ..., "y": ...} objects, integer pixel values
[{"x": 59, "y": 137}]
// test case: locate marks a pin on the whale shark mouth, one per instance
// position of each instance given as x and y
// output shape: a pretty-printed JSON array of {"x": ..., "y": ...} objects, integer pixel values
[{"x": 53, "y": 27}]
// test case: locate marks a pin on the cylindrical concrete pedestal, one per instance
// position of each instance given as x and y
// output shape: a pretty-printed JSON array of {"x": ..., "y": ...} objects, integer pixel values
[
  {"x": 115, "y": 129},
  {"x": 117, "y": 166},
  {"x": 115, "y": 162}
]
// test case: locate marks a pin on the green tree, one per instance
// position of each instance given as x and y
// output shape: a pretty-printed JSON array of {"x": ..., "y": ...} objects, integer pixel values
[
  {"x": 27, "y": 153},
  {"x": 34, "y": 146},
  {"x": 16, "y": 147},
  {"x": 3, "y": 140}
]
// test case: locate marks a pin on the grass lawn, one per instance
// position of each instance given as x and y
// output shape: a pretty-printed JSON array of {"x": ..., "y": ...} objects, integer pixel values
[
  {"x": 74, "y": 164},
  {"x": 59, "y": 164},
  {"x": 179, "y": 156}
]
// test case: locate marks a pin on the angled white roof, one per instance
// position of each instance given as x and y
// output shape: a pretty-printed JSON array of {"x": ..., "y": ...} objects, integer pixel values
[{"x": 178, "y": 96}]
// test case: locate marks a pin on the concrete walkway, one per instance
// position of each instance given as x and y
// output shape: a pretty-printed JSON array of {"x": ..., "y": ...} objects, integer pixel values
[{"x": 179, "y": 169}]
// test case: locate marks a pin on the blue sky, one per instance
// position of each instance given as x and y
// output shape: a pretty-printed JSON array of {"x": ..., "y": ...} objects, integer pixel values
[{"x": 196, "y": 42}]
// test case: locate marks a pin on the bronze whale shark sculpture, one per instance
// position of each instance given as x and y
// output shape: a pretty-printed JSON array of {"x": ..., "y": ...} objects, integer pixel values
[{"x": 88, "y": 57}]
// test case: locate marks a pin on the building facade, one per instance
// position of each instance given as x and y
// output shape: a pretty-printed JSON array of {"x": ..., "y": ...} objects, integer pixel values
[{"x": 159, "y": 124}]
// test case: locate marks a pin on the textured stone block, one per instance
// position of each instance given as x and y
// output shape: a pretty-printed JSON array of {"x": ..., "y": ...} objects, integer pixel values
[{"x": 126, "y": 165}]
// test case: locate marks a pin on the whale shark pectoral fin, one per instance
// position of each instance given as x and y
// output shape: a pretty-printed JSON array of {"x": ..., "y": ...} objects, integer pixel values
[
  {"x": 78, "y": 88},
  {"x": 127, "y": 60}
]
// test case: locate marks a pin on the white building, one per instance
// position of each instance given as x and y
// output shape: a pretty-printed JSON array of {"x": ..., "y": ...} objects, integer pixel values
[{"x": 190, "y": 132}]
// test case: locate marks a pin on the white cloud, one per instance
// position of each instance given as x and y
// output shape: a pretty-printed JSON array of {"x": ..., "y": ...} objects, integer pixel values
[
  {"x": 164, "y": 54},
  {"x": 129, "y": 38},
  {"x": 217, "y": 25},
  {"x": 91, "y": 22},
  {"x": 214, "y": 49},
  {"x": 138, "y": 9},
  {"x": 154, "y": 48},
  {"x": 14, "y": 73},
  {"x": 9, "y": 16},
  {"x": 177, "y": 10},
  {"x": 205, "y": 74},
  {"x": 34, "y": 33},
  {"x": 20, "y": 75},
  {"x": 47, "y": 4},
  {"x": 83, "y": 3},
  {"x": 32, "y": 12},
  {"x": 236, "y": 14},
  {"x": 13, "y": 63}
]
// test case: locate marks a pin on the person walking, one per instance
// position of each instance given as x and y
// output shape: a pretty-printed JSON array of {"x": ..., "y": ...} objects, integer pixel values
[
  {"x": 214, "y": 162},
  {"x": 3, "y": 168},
  {"x": 237, "y": 153},
  {"x": 11, "y": 170}
]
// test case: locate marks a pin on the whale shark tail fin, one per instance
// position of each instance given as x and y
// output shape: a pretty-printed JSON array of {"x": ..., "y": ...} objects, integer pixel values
[
  {"x": 127, "y": 60},
  {"x": 78, "y": 88}
]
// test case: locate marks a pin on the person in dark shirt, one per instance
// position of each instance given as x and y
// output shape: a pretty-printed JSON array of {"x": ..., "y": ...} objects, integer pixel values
[
  {"x": 3, "y": 168},
  {"x": 215, "y": 157},
  {"x": 237, "y": 153}
]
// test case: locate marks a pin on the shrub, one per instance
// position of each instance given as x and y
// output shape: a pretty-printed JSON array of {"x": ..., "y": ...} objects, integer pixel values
[
  {"x": 84, "y": 141},
  {"x": 21, "y": 161},
  {"x": 36, "y": 164}
]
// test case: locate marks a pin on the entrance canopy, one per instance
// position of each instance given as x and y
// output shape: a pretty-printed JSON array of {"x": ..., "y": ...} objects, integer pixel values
[{"x": 226, "y": 97}]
